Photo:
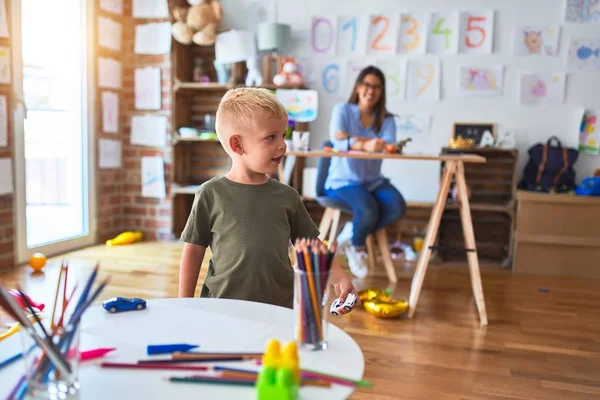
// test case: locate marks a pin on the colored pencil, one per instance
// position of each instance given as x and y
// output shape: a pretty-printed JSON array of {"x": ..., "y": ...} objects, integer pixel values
[
  {"x": 15, "y": 390},
  {"x": 335, "y": 378},
  {"x": 184, "y": 356},
  {"x": 169, "y": 348},
  {"x": 190, "y": 360},
  {"x": 154, "y": 366},
  {"x": 213, "y": 380},
  {"x": 307, "y": 381}
]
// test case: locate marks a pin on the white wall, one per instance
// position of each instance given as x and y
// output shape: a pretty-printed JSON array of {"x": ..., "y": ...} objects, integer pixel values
[{"x": 418, "y": 180}]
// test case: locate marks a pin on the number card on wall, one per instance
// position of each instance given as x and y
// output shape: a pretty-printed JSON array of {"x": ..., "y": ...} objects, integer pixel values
[
  {"x": 413, "y": 32},
  {"x": 330, "y": 78},
  {"x": 351, "y": 35},
  {"x": 382, "y": 36},
  {"x": 423, "y": 80},
  {"x": 443, "y": 33},
  {"x": 353, "y": 68},
  {"x": 395, "y": 78},
  {"x": 323, "y": 34},
  {"x": 477, "y": 32}
]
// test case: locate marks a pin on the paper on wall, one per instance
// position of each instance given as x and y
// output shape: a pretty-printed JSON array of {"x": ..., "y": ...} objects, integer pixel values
[
  {"x": 444, "y": 30},
  {"x": 5, "y": 65},
  {"x": 6, "y": 183},
  {"x": 395, "y": 78},
  {"x": 110, "y": 73},
  {"x": 481, "y": 81},
  {"x": 423, "y": 80},
  {"x": 589, "y": 135},
  {"x": 582, "y": 11},
  {"x": 477, "y": 32},
  {"x": 536, "y": 40},
  {"x": 542, "y": 88},
  {"x": 382, "y": 34},
  {"x": 147, "y": 88},
  {"x": 3, "y": 20},
  {"x": 153, "y": 177},
  {"x": 112, "y": 6},
  {"x": 3, "y": 122},
  {"x": 413, "y": 32},
  {"x": 583, "y": 53},
  {"x": 153, "y": 38},
  {"x": 415, "y": 126},
  {"x": 110, "y": 112},
  {"x": 351, "y": 34},
  {"x": 149, "y": 130},
  {"x": 109, "y": 153},
  {"x": 110, "y": 33},
  {"x": 150, "y": 9}
]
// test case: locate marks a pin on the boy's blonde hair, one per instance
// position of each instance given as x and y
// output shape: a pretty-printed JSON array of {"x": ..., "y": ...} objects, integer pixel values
[{"x": 241, "y": 107}]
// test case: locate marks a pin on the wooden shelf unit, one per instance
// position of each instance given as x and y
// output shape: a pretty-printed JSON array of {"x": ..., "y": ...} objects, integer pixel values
[
  {"x": 196, "y": 160},
  {"x": 493, "y": 208}
]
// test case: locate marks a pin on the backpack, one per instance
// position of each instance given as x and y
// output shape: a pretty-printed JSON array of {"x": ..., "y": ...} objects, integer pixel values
[{"x": 550, "y": 168}]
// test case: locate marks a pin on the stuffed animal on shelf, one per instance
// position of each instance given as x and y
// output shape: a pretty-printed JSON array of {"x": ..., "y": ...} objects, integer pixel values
[
  {"x": 289, "y": 75},
  {"x": 198, "y": 23},
  {"x": 254, "y": 78}
]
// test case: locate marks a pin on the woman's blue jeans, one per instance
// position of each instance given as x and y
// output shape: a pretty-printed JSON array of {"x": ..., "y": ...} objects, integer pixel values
[{"x": 372, "y": 210}]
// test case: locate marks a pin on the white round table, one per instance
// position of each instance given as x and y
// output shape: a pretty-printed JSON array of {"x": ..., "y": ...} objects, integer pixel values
[{"x": 214, "y": 325}]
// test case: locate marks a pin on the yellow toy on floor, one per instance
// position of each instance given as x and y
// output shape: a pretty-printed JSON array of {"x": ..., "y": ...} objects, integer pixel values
[{"x": 125, "y": 238}]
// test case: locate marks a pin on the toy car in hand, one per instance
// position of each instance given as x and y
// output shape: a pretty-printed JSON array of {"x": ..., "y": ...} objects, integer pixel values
[
  {"x": 119, "y": 304},
  {"x": 337, "y": 307}
]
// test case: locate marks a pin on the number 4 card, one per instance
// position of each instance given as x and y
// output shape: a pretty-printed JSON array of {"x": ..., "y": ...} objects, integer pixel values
[
  {"x": 443, "y": 33},
  {"x": 477, "y": 32}
]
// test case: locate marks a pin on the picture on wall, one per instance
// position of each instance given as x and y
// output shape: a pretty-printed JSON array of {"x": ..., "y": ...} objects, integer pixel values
[
  {"x": 301, "y": 105},
  {"x": 542, "y": 88},
  {"x": 589, "y": 133},
  {"x": 582, "y": 11},
  {"x": 415, "y": 126},
  {"x": 536, "y": 40},
  {"x": 478, "y": 81},
  {"x": 584, "y": 53}
]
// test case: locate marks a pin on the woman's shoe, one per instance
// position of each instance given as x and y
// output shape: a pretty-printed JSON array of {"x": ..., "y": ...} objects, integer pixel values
[{"x": 357, "y": 261}]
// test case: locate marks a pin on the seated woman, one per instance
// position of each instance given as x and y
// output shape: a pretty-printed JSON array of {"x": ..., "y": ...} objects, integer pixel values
[{"x": 363, "y": 124}]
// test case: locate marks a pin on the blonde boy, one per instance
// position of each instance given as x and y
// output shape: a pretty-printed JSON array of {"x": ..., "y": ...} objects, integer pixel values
[{"x": 245, "y": 217}]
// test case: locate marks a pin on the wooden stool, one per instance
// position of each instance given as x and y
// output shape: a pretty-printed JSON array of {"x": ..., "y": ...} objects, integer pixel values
[{"x": 329, "y": 225}]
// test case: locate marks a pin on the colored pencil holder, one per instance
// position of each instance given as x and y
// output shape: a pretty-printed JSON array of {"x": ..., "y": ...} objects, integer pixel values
[
  {"x": 311, "y": 291},
  {"x": 44, "y": 380}
]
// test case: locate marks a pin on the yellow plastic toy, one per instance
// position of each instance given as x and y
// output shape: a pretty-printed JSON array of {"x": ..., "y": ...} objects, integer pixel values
[
  {"x": 279, "y": 377},
  {"x": 37, "y": 261},
  {"x": 125, "y": 238},
  {"x": 380, "y": 304}
]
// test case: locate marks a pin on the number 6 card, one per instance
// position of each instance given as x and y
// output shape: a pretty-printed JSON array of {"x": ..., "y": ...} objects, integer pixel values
[{"x": 477, "y": 32}]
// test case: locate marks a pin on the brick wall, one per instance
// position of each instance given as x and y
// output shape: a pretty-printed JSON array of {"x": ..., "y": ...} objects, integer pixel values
[
  {"x": 7, "y": 211},
  {"x": 109, "y": 182},
  {"x": 150, "y": 215}
]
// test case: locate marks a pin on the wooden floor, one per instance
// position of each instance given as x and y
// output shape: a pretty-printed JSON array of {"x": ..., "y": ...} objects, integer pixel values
[{"x": 538, "y": 344}]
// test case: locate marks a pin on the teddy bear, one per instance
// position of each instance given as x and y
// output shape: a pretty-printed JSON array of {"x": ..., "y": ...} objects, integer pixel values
[
  {"x": 289, "y": 75},
  {"x": 198, "y": 23}
]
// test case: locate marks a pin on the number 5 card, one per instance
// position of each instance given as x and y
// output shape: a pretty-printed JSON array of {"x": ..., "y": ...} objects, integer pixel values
[{"x": 477, "y": 32}]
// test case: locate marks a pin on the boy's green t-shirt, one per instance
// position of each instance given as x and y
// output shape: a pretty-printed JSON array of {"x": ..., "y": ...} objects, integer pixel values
[{"x": 248, "y": 228}]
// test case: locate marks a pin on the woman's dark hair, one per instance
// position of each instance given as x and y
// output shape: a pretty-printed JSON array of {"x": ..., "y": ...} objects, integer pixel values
[{"x": 380, "y": 111}]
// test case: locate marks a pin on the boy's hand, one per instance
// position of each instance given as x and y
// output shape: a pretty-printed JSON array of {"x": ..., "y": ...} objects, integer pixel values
[{"x": 343, "y": 287}]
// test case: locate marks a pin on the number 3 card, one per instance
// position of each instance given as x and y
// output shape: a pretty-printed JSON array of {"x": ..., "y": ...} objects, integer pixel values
[
  {"x": 413, "y": 32},
  {"x": 477, "y": 32}
]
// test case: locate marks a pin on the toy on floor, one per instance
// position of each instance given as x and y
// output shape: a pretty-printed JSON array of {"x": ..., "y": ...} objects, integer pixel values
[
  {"x": 37, "y": 261},
  {"x": 279, "y": 377},
  {"x": 337, "y": 307},
  {"x": 119, "y": 304},
  {"x": 125, "y": 238},
  {"x": 380, "y": 304}
]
